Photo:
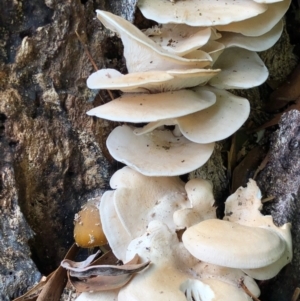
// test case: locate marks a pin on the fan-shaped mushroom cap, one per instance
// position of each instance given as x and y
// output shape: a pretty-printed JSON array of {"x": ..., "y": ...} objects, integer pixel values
[
  {"x": 204, "y": 13},
  {"x": 179, "y": 39},
  {"x": 114, "y": 80},
  {"x": 153, "y": 107},
  {"x": 118, "y": 238},
  {"x": 139, "y": 199},
  {"x": 260, "y": 24},
  {"x": 273, "y": 269},
  {"x": 259, "y": 43},
  {"x": 141, "y": 53},
  {"x": 158, "y": 153},
  {"x": 241, "y": 69},
  {"x": 233, "y": 245},
  {"x": 215, "y": 123},
  {"x": 202, "y": 200},
  {"x": 111, "y": 295},
  {"x": 162, "y": 280},
  {"x": 244, "y": 207},
  {"x": 154, "y": 81}
]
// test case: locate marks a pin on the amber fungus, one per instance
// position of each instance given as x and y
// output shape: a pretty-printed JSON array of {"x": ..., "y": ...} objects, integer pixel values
[{"x": 88, "y": 230}]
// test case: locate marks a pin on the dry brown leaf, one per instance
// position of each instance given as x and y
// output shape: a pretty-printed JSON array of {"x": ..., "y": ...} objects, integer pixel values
[
  {"x": 55, "y": 282},
  {"x": 101, "y": 277},
  {"x": 289, "y": 91}
]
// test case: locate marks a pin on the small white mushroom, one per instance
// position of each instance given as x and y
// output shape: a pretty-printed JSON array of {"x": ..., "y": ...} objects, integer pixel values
[
  {"x": 158, "y": 153},
  {"x": 153, "y": 107},
  {"x": 143, "y": 54},
  {"x": 117, "y": 236},
  {"x": 260, "y": 24},
  {"x": 153, "y": 81},
  {"x": 162, "y": 280},
  {"x": 233, "y": 245},
  {"x": 204, "y": 13},
  {"x": 215, "y": 123},
  {"x": 202, "y": 200},
  {"x": 259, "y": 43},
  {"x": 139, "y": 199},
  {"x": 241, "y": 69},
  {"x": 179, "y": 39},
  {"x": 244, "y": 207}
]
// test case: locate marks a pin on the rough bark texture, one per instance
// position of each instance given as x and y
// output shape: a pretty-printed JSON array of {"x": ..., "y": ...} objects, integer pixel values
[
  {"x": 52, "y": 154},
  {"x": 281, "y": 180}
]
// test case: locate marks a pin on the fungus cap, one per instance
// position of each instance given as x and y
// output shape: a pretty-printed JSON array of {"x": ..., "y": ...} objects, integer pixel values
[
  {"x": 200, "y": 195},
  {"x": 232, "y": 245},
  {"x": 139, "y": 199},
  {"x": 180, "y": 39},
  {"x": 158, "y": 244},
  {"x": 118, "y": 238},
  {"x": 88, "y": 231},
  {"x": 153, "y": 107},
  {"x": 141, "y": 53},
  {"x": 244, "y": 207},
  {"x": 260, "y": 24},
  {"x": 204, "y": 13},
  {"x": 241, "y": 69},
  {"x": 217, "y": 122},
  {"x": 158, "y": 153},
  {"x": 153, "y": 81},
  {"x": 257, "y": 43}
]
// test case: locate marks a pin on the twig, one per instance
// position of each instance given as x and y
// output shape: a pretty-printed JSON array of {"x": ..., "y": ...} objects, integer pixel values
[
  {"x": 246, "y": 290},
  {"x": 268, "y": 199},
  {"x": 91, "y": 59},
  {"x": 296, "y": 294}
]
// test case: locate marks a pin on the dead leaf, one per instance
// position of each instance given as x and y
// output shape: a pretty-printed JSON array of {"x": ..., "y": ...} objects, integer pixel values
[
  {"x": 101, "y": 277},
  {"x": 51, "y": 288},
  {"x": 286, "y": 93}
]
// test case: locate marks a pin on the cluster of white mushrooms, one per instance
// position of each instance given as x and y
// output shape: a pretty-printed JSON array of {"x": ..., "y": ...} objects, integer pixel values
[{"x": 178, "y": 75}]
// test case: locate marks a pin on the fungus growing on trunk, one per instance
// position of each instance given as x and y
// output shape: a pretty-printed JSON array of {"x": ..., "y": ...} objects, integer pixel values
[{"x": 177, "y": 77}]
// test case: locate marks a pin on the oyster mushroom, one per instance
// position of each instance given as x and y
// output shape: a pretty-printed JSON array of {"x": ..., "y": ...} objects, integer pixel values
[
  {"x": 260, "y": 24},
  {"x": 153, "y": 107},
  {"x": 243, "y": 207},
  {"x": 204, "y": 13},
  {"x": 257, "y": 43},
  {"x": 153, "y": 81},
  {"x": 215, "y": 123},
  {"x": 158, "y": 153},
  {"x": 141, "y": 53},
  {"x": 200, "y": 194},
  {"x": 163, "y": 280},
  {"x": 179, "y": 39},
  {"x": 241, "y": 69},
  {"x": 233, "y": 245}
]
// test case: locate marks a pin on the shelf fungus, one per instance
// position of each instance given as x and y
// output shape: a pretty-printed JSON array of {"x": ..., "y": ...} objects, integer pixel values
[{"x": 175, "y": 106}]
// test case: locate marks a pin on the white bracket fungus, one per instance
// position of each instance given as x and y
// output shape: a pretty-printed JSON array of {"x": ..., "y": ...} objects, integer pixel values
[
  {"x": 171, "y": 82},
  {"x": 160, "y": 153},
  {"x": 200, "y": 13}
]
